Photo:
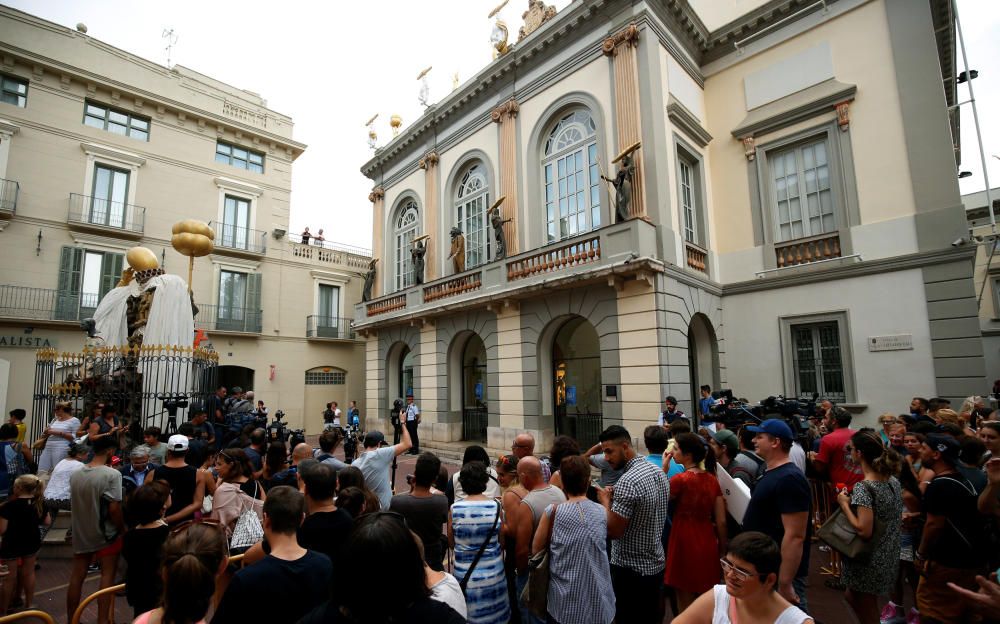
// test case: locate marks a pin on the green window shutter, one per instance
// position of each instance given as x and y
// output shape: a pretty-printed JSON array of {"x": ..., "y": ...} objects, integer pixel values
[
  {"x": 68, "y": 290},
  {"x": 111, "y": 271},
  {"x": 253, "y": 315}
]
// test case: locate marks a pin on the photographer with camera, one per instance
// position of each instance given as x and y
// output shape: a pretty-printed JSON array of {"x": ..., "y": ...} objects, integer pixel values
[{"x": 378, "y": 457}]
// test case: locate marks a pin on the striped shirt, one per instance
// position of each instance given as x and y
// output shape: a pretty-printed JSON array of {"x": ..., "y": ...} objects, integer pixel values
[{"x": 580, "y": 588}]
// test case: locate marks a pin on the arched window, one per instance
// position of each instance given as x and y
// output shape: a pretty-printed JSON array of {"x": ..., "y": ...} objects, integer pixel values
[
  {"x": 405, "y": 226},
  {"x": 471, "y": 202},
  {"x": 572, "y": 178}
]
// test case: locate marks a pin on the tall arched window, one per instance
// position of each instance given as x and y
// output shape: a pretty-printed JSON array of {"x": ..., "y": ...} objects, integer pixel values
[
  {"x": 471, "y": 202},
  {"x": 405, "y": 226},
  {"x": 572, "y": 178}
]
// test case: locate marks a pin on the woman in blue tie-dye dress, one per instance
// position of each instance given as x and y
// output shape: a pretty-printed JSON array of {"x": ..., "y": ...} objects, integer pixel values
[{"x": 475, "y": 520}]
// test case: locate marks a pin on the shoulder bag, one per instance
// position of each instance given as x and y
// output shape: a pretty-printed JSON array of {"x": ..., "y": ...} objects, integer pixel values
[
  {"x": 248, "y": 530},
  {"x": 536, "y": 591},
  {"x": 841, "y": 535},
  {"x": 479, "y": 555}
]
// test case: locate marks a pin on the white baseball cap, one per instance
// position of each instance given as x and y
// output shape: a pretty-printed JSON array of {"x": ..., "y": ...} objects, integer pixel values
[{"x": 177, "y": 443}]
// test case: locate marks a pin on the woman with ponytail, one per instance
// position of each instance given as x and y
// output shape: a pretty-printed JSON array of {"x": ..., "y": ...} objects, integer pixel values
[
  {"x": 697, "y": 503},
  {"x": 19, "y": 520},
  {"x": 879, "y": 494},
  {"x": 194, "y": 556}
]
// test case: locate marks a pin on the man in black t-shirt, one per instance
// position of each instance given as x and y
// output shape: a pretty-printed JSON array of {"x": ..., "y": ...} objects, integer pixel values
[
  {"x": 951, "y": 546},
  {"x": 325, "y": 528},
  {"x": 287, "y": 583},
  {"x": 779, "y": 507}
]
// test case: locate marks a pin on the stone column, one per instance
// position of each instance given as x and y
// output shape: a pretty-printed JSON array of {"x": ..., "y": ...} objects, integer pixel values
[
  {"x": 505, "y": 115},
  {"x": 374, "y": 380},
  {"x": 429, "y": 164},
  {"x": 377, "y": 198},
  {"x": 622, "y": 49}
]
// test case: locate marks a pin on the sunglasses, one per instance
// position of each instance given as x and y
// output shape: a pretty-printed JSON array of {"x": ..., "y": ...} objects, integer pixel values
[{"x": 742, "y": 575}]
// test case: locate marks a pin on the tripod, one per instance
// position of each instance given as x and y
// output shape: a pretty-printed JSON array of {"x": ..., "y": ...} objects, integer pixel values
[{"x": 397, "y": 430}]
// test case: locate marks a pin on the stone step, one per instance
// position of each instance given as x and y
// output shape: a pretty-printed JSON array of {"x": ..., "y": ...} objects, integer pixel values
[
  {"x": 63, "y": 520},
  {"x": 56, "y": 546},
  {"x": 454, "y": 451}
]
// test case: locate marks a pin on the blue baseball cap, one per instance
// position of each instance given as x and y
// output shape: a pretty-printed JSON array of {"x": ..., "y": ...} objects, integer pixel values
[{"x": 775, "y": 427}]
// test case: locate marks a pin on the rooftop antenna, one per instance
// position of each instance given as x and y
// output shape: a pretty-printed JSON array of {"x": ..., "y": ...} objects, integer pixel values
[{"x": 171, "y": 38}]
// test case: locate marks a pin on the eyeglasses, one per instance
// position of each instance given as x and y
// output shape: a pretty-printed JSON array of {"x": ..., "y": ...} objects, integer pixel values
[{"x": 739, "y": 573}]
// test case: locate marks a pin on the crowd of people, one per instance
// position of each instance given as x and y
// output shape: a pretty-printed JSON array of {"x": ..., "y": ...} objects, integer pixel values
[{"x": 522, "y": 538}]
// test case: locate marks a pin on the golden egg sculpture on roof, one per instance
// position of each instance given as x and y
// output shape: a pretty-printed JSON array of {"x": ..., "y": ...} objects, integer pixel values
[
  {"x": 141, "y": 259},
  {"x": 395, "y": 122}
]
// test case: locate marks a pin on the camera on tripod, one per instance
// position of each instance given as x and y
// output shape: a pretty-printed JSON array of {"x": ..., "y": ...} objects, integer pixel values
[{"x": 397, "y": 407}]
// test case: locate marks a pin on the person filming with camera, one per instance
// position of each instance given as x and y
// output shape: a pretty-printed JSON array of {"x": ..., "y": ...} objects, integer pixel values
[{"x": 377, "y": 457}]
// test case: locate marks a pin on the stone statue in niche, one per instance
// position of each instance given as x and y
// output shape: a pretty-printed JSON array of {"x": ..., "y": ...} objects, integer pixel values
[
  {"x": 417, "y": 253},
  {"x": 497, "y": 221},
  {"x": 457, "y": 249},
  {"x": 366, "y": 293}
]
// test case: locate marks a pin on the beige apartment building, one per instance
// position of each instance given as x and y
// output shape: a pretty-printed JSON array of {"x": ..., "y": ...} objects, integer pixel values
[
  {"x": 101, "y": 150},
  {"x": 792, "y": 211},
  {"x": 984, "y": 235}
]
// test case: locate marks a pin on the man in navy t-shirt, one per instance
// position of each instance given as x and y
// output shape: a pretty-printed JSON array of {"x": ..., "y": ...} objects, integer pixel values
[
  {"x": 301, "y": 577},
  {"x": 780, "y": 507}
]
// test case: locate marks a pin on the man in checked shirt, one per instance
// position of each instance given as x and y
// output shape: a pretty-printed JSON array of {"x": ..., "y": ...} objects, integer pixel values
[{"x": 637, "y": 510}]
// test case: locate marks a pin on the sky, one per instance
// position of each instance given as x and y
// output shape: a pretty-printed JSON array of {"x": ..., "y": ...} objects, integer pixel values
[{"x": 333, "y": 65}]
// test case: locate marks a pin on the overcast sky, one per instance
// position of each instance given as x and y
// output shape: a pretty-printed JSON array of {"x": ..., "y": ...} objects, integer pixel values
[{"x": 332, "y": 65}]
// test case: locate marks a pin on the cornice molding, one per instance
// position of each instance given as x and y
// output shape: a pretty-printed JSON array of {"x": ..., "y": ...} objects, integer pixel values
[
  {"x": 96, "y": 149},
  {"x": 687, "y": 122},
  {"x": 9, "y": 127},
  {"x": 237, "y": 185},
  {"x": 791, "y": 109},
  {"x": 859, "y": 269}
]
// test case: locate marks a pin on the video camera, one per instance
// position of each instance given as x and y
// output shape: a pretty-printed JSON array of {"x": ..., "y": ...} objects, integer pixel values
[{"x": 734, "y": 413}]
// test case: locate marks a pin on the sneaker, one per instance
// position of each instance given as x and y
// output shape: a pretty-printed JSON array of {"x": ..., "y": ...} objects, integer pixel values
[
  {"x": 889, "y": 615},
  {"x": 93, "y": 568},
  {"x": 913, "y": 617}
]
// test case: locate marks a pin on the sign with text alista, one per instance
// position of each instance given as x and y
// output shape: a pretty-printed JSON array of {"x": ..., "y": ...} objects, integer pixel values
[{"x": 26, "y": 341}]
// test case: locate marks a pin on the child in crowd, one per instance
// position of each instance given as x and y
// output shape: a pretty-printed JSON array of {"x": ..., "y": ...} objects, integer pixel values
[{"x": 19, "y": 520}]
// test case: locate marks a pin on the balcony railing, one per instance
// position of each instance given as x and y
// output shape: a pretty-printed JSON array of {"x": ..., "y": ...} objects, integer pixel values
[
  {"x": 318, "y": 326},
  {"x": 8, "y": 196},
  {"x": 106, "y": 215},
  {"x": 43, "y": 304},
  {"x": 555, "y": 259},
  {"x": 353, "y": 257},
  {"x": 631, "y": 244},
  {"x": 697, "y": 258},
  {"x": 453, "y": 287},
  {"x": 226, "y": 318},
  {"x": 239, "y": 239},
  {"x": 806, "y": 250}
]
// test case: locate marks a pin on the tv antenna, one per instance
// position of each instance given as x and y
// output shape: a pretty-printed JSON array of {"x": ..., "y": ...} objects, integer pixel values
[{"x": 171, "y": 38}]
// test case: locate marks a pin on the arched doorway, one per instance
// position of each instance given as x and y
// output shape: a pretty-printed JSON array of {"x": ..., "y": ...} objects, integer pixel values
[
  {"x": 576, "y": 369},
  {"x": 703, "y": 359},
  {"x": 475, "y": 415},
  {"x": 230, "y": 376}
]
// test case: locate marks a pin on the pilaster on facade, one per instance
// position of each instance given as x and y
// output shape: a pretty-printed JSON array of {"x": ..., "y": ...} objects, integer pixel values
[
  {"x": 429, "y": 163},
  {"x": 377, "y": 198},
  {"x": 505, "y": 116},
  {"x": 622, "y": 49},
  {"x": 374, "y": 379}
]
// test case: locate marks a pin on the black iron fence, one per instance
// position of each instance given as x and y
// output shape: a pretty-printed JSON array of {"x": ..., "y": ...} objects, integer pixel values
[
  {"x": 102, "y": 212},
  {"x": 318, "y": 326},
  {"x": 154, "y": 385},
  {"x": 474, "y": 422},
  {"x": 585, "y": 427},
  {"x": 228, "y": 318}
]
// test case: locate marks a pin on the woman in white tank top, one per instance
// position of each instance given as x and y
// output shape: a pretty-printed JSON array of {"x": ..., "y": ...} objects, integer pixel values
[{"x": 750, "y": 569}]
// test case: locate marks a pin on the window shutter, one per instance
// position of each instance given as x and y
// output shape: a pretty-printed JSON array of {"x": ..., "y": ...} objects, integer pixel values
[
  {"x": 253, "y": 316},
  {"x": 111, "y": 271},
  {"x": 68, "y": 295}
]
